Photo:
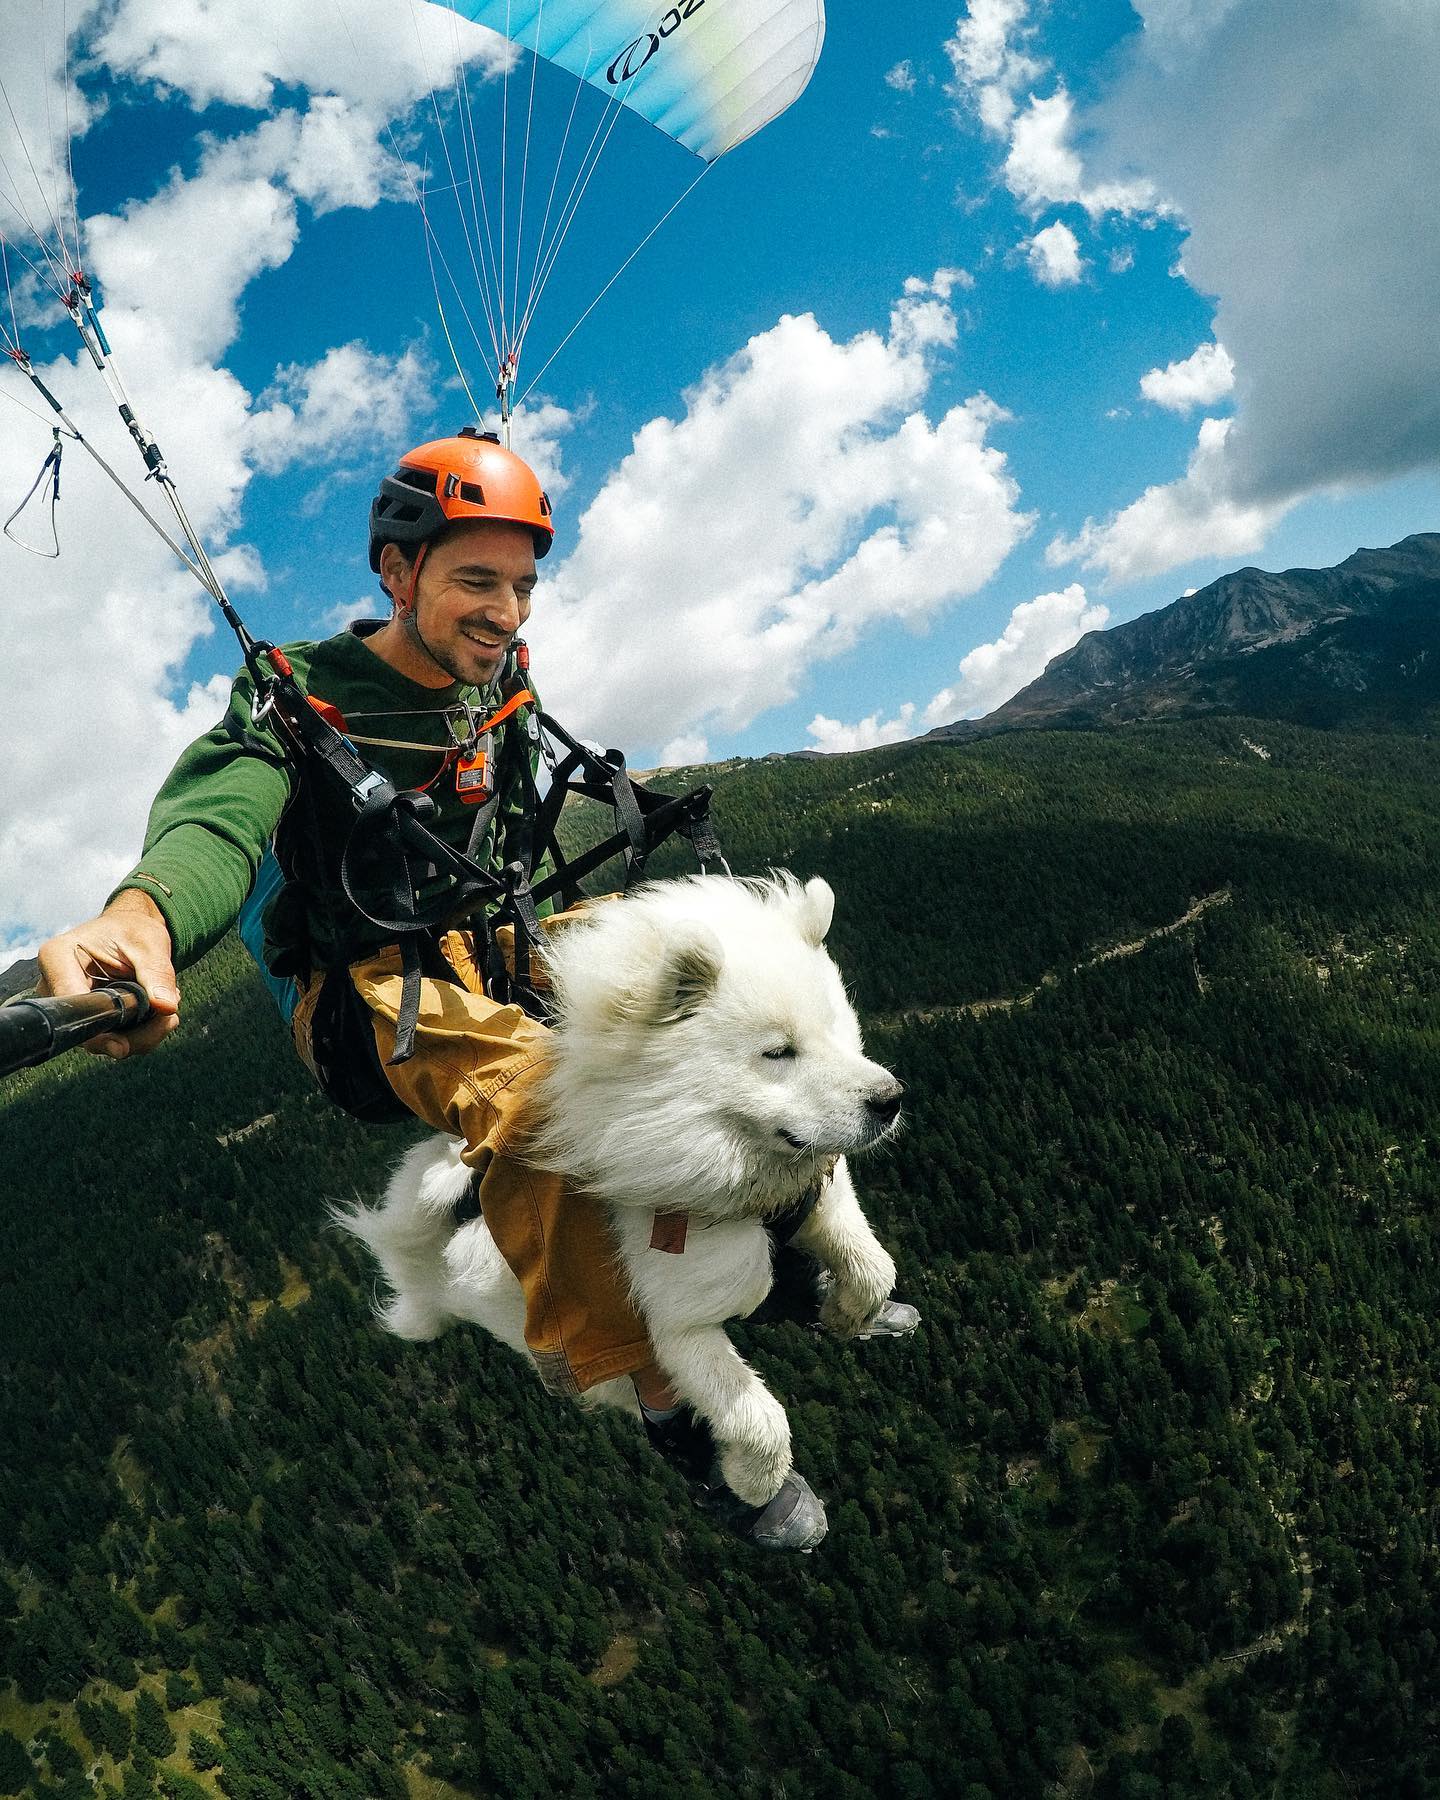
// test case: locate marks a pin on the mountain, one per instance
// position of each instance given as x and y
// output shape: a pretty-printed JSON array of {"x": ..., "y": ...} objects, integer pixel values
[{"x": 1358, "y": 644}]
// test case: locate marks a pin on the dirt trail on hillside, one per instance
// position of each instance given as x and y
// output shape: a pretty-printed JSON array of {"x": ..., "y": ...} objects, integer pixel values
[{"x": 976, "y": 1009}]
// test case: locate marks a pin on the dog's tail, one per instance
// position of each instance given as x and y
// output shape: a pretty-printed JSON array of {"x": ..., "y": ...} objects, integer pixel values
[{"x": 407, "y": 1234}]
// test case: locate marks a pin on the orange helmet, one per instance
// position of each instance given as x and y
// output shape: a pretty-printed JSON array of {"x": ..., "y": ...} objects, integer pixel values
[{"x": 470, "y": 476}]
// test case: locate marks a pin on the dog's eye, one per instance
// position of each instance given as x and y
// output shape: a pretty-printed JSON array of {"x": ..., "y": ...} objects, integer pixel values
[{"x": 780, "y": 1055}]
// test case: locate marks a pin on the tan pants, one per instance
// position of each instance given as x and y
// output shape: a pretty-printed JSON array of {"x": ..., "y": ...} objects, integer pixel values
[{"x": 471, "y": 1076}]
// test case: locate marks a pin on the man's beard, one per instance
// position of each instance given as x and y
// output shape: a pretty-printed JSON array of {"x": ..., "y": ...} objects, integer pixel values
[{"x": 443, "y": 660}]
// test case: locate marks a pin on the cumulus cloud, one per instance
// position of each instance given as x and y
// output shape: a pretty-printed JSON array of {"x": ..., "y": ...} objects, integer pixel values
[
  {"x": 993, "y": 64},
  {"x": 1204, "y": 377},
  {"x": 384, "y": 54},
  {"x": 1176, "y": 522},
  {"x": 990, "y": 60},
  {"x": 1038, "y": 631},
  {"x": 348, "y": 402},
  {"x": 1043, "y": 168},
  {"x": 684, "y": 751},
  {"x": 832, "y": 736},
  {"x": 901, "y": 77},
  {"x": 804, "y": 498},
  {"x": 1053, "y": 256},
  {"x": 1316, "y": 242}
]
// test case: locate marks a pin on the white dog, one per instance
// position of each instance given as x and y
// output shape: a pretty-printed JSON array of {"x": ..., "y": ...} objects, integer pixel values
[{"x": 706, "y": 1063}]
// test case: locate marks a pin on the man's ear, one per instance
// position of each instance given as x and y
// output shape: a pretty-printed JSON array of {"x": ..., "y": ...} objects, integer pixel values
[{"x": 394, "y": 574}]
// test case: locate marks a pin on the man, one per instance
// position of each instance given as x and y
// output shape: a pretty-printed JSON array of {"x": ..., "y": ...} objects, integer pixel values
[{"x": 454, "y": 537}]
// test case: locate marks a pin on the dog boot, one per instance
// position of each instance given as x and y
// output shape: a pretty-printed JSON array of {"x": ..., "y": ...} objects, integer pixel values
[
  {"x": 896, "y": 1318},
  {"x": 793, "y": 1520}
]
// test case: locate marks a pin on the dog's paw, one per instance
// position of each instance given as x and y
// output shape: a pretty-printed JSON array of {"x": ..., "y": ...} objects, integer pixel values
[
  {"x": 755, "y": 1450},
  {"x": 853, "y": 1299}
]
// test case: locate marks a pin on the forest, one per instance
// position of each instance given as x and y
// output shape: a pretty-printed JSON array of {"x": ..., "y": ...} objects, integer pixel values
[{"x": 1147, "y": 1508}]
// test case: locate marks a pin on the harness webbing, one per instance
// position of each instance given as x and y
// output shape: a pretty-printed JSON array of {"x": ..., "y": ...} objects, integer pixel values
[{"x": 391, "y": 841}]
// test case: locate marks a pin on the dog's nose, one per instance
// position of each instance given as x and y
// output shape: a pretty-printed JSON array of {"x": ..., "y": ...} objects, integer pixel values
[{"x": 885, "y": 1106}]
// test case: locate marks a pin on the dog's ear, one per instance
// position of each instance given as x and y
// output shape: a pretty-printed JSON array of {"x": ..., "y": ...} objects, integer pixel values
[
  {"x": 693, "y": 960},
  {"x": 815, "y": 907},
  {"x": 671, "y": 975}
]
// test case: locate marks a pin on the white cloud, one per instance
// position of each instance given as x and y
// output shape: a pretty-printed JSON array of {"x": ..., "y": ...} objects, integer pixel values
[
  {"x": 684, "y": 751},
  {"x": 19, "y": 951},
  {"x": 988, "y": 59},
  {"x": 1054, "y": 256},
  {"x": 539, "y": 432},
  {"x": 833, "y": 737},
  {"x": 1038, "y": 631},
  {"x": 901, "y": 77},
  {"x": 1204, "y": 377},
  {"x": 347, "y": 402},
  {"x": 345, "y": 612},
  {"x": 804, "y": 498},
  {"x": 1121, "y": 259},
  {"x": 1175, "y": 522},
  {"x": 384, "y": 54},
  {"x": 942, "y": 284},
  {"x": 1042, "y": 166}
]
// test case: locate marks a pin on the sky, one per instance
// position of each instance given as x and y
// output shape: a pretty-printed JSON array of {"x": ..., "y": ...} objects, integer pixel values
[{"x": 1024, "y": 319}]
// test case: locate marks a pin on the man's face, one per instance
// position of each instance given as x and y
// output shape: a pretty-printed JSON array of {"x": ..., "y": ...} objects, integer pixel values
[{"x": 473, "y": 597}]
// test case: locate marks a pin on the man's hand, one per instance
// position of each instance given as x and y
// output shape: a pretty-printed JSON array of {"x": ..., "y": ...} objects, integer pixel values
[{"x": 130, "y": 939}]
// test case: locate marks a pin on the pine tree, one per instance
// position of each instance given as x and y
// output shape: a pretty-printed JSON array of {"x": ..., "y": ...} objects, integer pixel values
[{"x": 152, "y": 1728}]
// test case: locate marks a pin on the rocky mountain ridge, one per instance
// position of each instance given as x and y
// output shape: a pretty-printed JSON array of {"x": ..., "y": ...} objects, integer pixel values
[{"x": 1348, "y": 645}]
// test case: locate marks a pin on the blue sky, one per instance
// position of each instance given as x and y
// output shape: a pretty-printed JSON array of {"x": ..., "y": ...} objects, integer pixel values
[{"x": 1045, "y": 155}]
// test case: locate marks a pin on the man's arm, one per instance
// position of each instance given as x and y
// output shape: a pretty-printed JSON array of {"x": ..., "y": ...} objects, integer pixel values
[{"x": 208, "y": 829}]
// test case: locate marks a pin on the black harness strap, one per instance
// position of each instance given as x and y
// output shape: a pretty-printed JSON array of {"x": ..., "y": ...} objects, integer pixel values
[{"x": 391, "y": 848}]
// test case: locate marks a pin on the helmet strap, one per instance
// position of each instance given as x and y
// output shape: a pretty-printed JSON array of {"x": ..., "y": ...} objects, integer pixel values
[{"x": 408, "y": 603}]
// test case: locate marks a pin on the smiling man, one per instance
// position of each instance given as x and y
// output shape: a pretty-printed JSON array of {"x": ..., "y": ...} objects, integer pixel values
[{"x": 454, "y": 536}]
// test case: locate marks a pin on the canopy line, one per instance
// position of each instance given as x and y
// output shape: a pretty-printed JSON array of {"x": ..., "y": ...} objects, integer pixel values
[
  {"x": 613, "y": 279},
  {"x": 468, "y": 145},
  {"x": 26, "y": 368},
  {"x": 482, "y": 281},
  {"x": 525, "y": 162},
  {"x": 50, "y": 467}
]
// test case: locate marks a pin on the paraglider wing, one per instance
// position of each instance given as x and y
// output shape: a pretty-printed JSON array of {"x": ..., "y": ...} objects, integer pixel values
[{"x": 708, "y": 73}]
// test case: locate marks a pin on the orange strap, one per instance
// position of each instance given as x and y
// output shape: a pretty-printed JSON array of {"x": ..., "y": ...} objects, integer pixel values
[{"x": 521, "y": 697}]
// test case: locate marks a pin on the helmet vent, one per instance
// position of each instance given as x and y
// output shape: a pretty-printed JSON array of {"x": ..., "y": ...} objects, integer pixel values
[
  {"x": 473, "y": 492},
  {"x": 422, "y": 479}
]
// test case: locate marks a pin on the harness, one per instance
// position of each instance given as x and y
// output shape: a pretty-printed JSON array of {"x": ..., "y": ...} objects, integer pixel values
[{"x": 391, "y": 851}]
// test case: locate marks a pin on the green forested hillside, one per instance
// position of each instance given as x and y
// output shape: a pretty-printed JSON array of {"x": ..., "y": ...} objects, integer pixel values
[{"x": 1147, "y": 1508}]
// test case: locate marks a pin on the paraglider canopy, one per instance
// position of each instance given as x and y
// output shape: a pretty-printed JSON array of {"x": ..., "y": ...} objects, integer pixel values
[{"x": 708, "y": 73}]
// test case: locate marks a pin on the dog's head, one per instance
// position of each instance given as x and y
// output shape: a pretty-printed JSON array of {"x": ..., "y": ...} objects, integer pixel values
[{"x": 709, "y": 1017}]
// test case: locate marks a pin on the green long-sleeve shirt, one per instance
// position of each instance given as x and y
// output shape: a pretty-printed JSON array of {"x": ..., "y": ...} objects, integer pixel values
[{"x": 223, "y": 802}]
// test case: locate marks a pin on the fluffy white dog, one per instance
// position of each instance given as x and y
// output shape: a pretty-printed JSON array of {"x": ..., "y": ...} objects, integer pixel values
[{"x": 706, "y": 1063}]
